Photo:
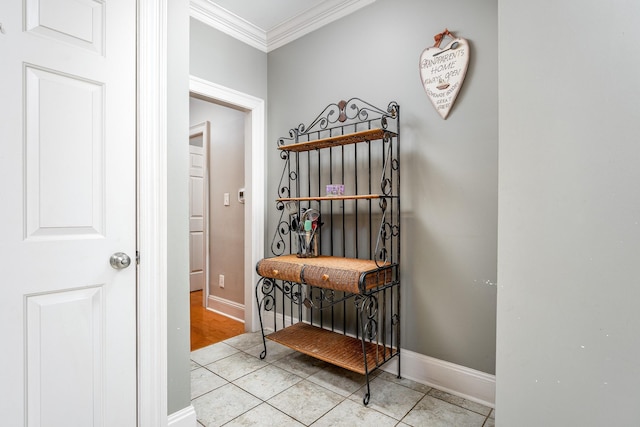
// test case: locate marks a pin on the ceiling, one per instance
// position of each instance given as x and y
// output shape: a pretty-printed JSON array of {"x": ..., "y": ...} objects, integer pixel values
[{"x": 269, "y": 24}]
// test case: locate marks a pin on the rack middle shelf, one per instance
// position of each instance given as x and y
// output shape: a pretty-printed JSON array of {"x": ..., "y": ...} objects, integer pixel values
[{"x": 313, "y": 198}]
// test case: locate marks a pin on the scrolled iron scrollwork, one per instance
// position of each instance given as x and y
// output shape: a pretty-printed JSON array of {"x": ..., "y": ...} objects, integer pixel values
[
  {"x": 386, "y": 186},
  {"x": 395, "y": 319},
  {"x": 327, "y": 295},
  {"x": 386, "y": 232},
  {"x": 367, "y": 306},
  {"x": 382, "y": 257},
  {"x": 383, "y": 204},
  {"x": 326, "y": 299},
  {"x": 293, "y": 291},
  {"x": 266, "y": 292},
  {"x": 392, "y": 109},
  {"x": 293, "y": 136},
  {"x": 387, "y": 166},
  {"x": 284, "y": 190},
  {"x": 370, "y": 329},
  {"x": 278, "y": 243},
  {"x": 343, "y": 112},
  {"x": 267, "y": 289}
]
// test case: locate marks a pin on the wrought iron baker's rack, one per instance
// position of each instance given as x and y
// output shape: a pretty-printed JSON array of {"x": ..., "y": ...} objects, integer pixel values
[{"x": 355, "y": 144}]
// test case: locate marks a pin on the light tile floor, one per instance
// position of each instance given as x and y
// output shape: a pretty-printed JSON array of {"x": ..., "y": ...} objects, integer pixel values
[{"x": 231, "y": 386}]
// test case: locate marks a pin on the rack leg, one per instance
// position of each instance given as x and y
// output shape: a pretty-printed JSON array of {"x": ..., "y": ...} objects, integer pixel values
[
  {"x": 259, "y": 302},
  {"x": 367, "y": 395}
]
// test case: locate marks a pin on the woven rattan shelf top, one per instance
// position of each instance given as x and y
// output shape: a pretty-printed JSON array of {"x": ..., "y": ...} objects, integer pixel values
[
  {"x": 329, "y": 272},
  {"x": 357, "y": 264},
  {"x": 332, "y": 347},
  {"x": 333, "y": 141}
]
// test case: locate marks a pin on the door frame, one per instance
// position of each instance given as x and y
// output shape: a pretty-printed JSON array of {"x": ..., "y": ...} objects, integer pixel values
[
  {"x": 152, "y": 212},
  {"x": 254, "y": 172}
]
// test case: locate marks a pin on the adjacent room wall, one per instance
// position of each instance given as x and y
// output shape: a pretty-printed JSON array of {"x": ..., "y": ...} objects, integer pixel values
[
  {"x": 449, "y": 167},
  {"x": 569, "y": 233},
  {"x": 226, "y": 223}
]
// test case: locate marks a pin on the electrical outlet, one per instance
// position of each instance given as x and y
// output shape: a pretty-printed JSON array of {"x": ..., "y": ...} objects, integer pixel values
[{"x": 221, "y": 280}]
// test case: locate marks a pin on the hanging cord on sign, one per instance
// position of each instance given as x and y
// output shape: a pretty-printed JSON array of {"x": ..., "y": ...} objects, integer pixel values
[{"x": 439, "y": 37}]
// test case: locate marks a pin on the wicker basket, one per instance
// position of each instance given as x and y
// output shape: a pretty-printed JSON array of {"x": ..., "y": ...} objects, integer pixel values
[{"x": 337, "y": 273}]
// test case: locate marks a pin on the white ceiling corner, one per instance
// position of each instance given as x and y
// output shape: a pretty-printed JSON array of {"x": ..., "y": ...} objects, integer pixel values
[{"x": 283, "y": 24}]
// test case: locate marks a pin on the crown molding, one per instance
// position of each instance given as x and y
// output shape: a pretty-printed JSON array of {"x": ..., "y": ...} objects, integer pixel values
[
  {"x": 311, "y": 20},
  {"x": 286, "y": 32},
  {"x": 229, "y": 23}
]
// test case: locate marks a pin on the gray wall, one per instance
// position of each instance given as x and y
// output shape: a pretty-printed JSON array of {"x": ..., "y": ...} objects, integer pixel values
[
  {"x": 449, "y": 168},
  {"x": 179, "y": 387},
  {"x": 568, "y": 349},
  {"x": 226, "y": 175},
  {"x": 223, "y": 60}
]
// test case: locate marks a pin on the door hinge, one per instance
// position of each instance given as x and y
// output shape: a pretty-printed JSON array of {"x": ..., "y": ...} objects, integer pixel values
[{"x": 137, "y": 258}]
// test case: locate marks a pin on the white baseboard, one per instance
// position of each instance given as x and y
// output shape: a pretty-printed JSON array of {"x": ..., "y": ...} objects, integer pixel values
[
  {"x": 226, "y": 307},
  {"x": 183, "y": 418},
  {"x": 468, "y": 383}
]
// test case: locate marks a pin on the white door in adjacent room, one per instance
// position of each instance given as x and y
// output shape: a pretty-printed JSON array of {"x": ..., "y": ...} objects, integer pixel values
[
  {"x": 67, "y": 164},
  {"x": 198, "y": 202}
]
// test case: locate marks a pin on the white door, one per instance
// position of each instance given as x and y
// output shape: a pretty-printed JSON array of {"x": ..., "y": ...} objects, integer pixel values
[
  {"x": 198, "y": 197},
  {"x": 67, "y": 165}
]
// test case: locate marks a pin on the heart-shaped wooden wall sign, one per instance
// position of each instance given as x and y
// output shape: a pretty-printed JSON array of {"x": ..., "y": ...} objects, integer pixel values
[{"x": 443, "y": 70}]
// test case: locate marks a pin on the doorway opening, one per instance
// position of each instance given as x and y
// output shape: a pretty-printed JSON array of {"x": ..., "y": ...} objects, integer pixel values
[
  {"x": 248, "y": 194},
  {"x": 216, "y": 220}
]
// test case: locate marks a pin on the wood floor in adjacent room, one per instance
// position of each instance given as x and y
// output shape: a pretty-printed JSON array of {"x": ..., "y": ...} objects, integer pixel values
[{"x": 208, "y": 327}]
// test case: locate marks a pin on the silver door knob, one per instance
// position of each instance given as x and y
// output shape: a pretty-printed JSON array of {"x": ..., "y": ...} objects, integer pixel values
[{"x": 120, "y": 260}]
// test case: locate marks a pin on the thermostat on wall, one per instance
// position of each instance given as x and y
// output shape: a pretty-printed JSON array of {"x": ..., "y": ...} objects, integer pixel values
[{"x": 241, "y": 195}]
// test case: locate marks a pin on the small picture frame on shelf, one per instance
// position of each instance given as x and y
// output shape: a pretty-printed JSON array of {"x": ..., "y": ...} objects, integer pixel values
[{"x": 335, "y": 190}]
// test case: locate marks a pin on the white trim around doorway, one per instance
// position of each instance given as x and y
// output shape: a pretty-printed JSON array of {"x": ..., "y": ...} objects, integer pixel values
[{"x": 152, "y": 213}]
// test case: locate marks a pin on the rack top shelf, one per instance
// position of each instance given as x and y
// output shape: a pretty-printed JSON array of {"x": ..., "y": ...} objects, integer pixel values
[{"x": 334, "y": 141}]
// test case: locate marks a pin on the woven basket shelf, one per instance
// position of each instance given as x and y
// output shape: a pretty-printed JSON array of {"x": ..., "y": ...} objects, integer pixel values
[
  {"x": 332, "y": 347},
  {"x": 336, "y": 141},
  {"x": 341, "y": 274}
]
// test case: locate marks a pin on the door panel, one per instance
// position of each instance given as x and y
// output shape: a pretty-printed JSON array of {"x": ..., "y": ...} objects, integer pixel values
[
  {"x": 67, "y": 318},
  {"x": 197, "y": 241},
  {"x": 71, "y": 21},
  {"x": 53, "y": 332},
  {"x": 64, "y": 166}
]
